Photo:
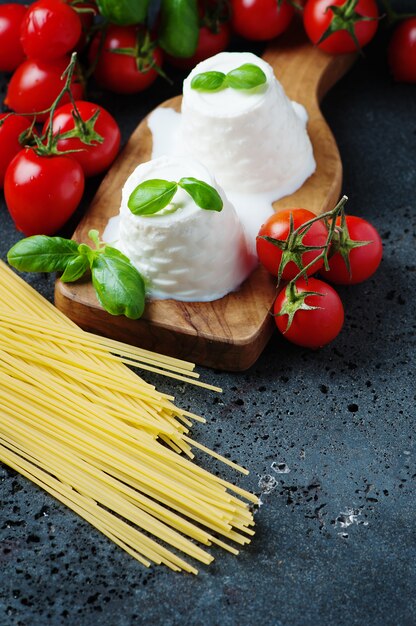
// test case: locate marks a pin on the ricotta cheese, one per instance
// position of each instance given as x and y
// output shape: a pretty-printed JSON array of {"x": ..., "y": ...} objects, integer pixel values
[
  {"x": 184, "y": 252},
  {"x": 250, "y": 140},
  {"x": 254, "y": 142}
]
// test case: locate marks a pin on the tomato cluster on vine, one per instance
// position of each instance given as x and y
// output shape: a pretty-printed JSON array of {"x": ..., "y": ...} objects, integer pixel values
[
  {"x": 42, "y": 169},
  {"x": 294, "y": 245}
]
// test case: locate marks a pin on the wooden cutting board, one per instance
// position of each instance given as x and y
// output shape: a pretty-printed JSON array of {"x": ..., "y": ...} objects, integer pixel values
[{"x": 230, "y": 333}]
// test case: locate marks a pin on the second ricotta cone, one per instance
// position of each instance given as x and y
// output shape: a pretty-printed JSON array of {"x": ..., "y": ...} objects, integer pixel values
[
  {"x": 189, "y": 254},
  {"x": 252, "y": 141}
]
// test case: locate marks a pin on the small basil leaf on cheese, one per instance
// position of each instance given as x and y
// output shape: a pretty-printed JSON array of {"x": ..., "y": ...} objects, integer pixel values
[
  {"x": 208, "y": 81},
  {"x": 247, "y": 76},
  {"x": 75, "y": 269},
  {"x": 205, "y": 196},
  {"x": 118, "y": 285},
  {"x": 151, "y": 196},
  {"x": 41, "y": 253}
]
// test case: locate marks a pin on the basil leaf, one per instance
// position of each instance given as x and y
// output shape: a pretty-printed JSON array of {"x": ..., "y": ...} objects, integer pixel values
[
  {"x": 75, "y": 269},
  {"x": 247, "y": 76},
  {"x": 179, "y": 27},
  {"x": 41, "y": 253},
  {"x": 151, "y": 196},
  {"x": 118, "y": 285},
  {"x": 205, "y": 196},
  {"x": 110, "y": 251},
  {"x": 208, "y": 81},
  {"x": 124, "y": 12}
]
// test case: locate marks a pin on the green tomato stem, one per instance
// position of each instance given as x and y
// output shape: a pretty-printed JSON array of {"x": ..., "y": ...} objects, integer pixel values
[
  {"x": 68, "y": 74},
  {"x": 331, "y": 217}
]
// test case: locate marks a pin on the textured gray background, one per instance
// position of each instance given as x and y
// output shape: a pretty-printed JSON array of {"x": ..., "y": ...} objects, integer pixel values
[{"x": 341, "y": 419}]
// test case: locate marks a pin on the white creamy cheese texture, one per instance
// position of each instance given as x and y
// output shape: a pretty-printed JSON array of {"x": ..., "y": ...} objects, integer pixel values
[
  {"x": 190, "y": 254},
  {"x": 254, "y": 142},
  {"x": 251, "y": 140}
]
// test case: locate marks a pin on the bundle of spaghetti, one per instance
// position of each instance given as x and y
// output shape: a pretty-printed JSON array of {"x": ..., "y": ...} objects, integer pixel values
[{"x": 84, "y": 427}]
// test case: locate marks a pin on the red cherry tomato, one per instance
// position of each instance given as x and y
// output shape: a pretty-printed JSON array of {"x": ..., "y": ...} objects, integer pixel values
[
  {"x": 11, "y": 51},
  {"x": 364, "y": 260},
  {"x": 50, "y": 29},
  {"x": 96, "y": 158},
  {"x": 277, "y": 227},
  {"x": 35, "y": 85},
  {"x": 209, "y": 43},
  {"x": 123, "y": 73},
  {"x": 260, "y": 19},
  {"x": 402, "y": 51},
  {"x": 42, "y": 192},
  {"x": 10, "y": 130},
  {"x": 318, "y": 15},
  {"x": 316, "y": 327}
]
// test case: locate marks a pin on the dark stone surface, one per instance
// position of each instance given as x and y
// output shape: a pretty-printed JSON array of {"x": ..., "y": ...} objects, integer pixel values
[{"x": 335, "y": 540}]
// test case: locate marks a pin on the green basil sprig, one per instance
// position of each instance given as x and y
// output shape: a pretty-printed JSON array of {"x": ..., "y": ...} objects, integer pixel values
[
  {"x": 153, "y": 195},
  {"x": 247, "y": 76},
  {"x": 118, "y": 285}
]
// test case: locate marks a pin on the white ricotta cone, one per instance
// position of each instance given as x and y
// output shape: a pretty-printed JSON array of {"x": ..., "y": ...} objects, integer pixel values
[
  {"x": 252, "y": 141},
  {"x": 190, "y": 254}
]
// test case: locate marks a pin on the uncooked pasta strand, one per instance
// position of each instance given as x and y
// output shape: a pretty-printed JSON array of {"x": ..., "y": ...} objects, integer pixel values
[
  {"x": 84, "y": 427},
  {"x": 77, "y": 502}
]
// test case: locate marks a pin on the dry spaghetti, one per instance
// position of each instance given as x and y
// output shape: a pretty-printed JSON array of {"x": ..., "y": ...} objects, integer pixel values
[{"x": 80, "y": 424}]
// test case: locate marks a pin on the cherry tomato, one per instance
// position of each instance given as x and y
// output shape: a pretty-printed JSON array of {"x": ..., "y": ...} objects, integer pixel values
[
  {"x": 124, "y": 73},
  {"x": 364, "y": 260},
  {"x": 318, "y": 15},
  {"x": 312, "y": 328},
  {"x": 10, "y": 130},
  {"x": 278, "y": 227},
  {"x": 260, "y": 19},
  {"x": 50, "y": 29},
  {"x": 96, "y": 158},
  {"x": 402, "y": 51},
  {"x": 35, "y": 85},
  {"x": 11, "y": 51},
  {"x": 42, "y": 192},
  {"x": 209, "y": 43}
]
